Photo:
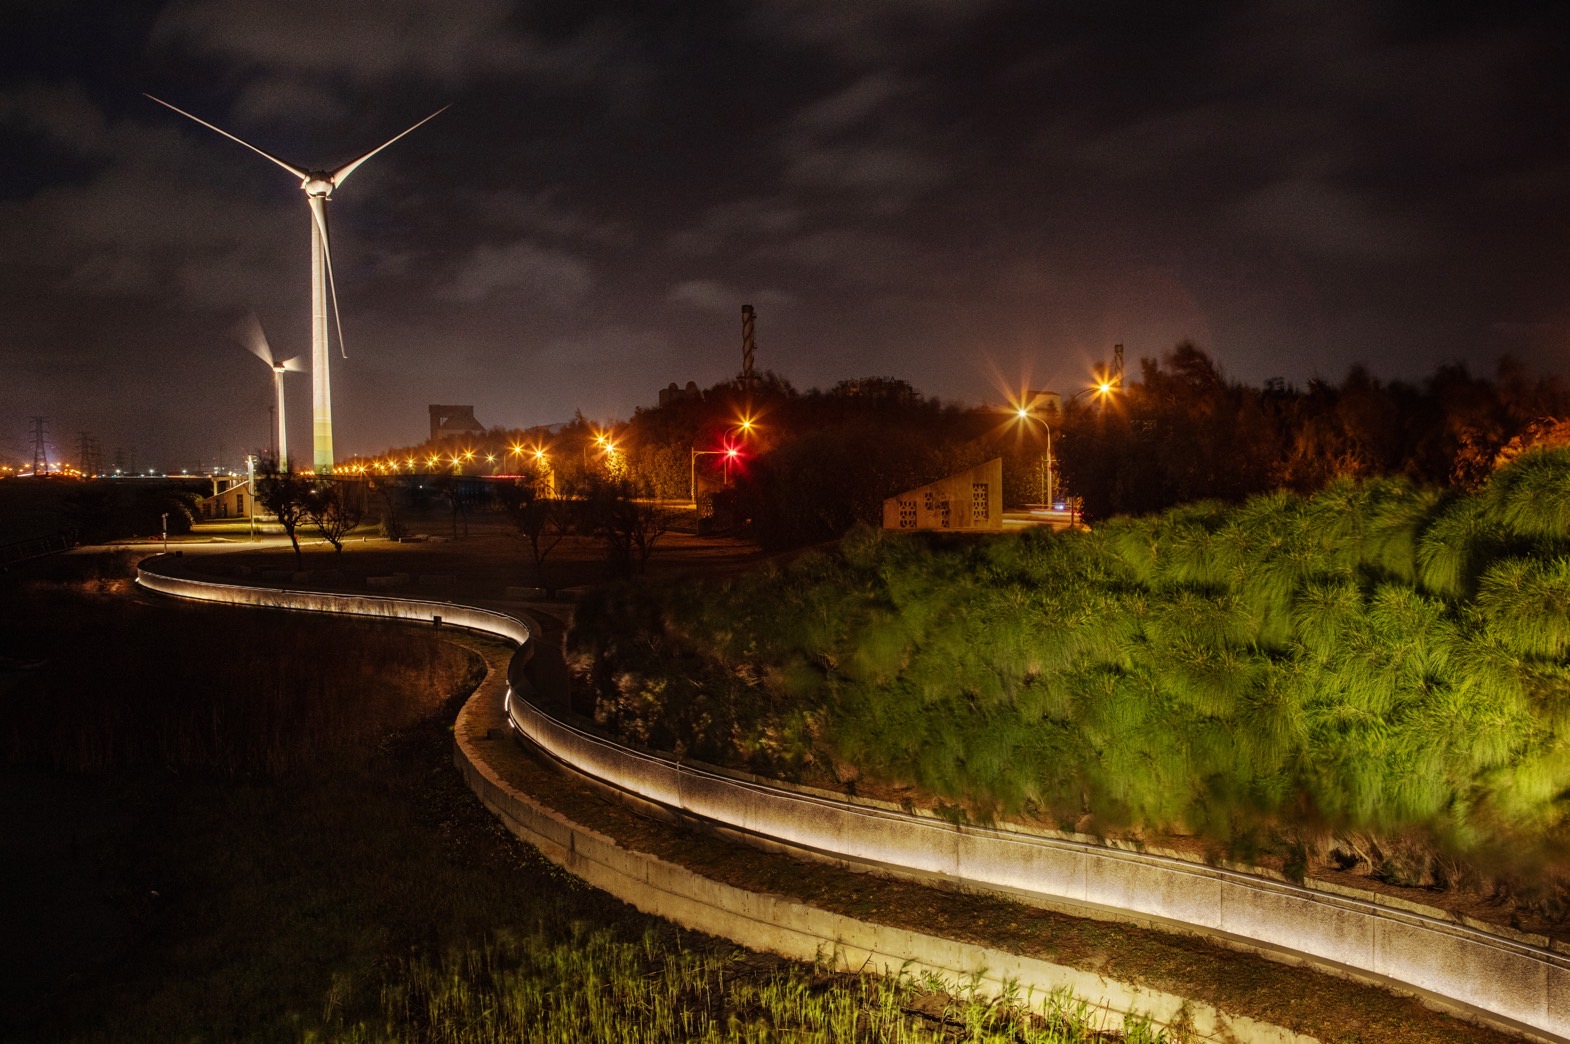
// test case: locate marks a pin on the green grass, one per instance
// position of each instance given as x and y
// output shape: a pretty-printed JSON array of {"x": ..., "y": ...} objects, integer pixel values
[
  {"x": 594, "y": 986},
  {"x": 1375, "y": 661}
]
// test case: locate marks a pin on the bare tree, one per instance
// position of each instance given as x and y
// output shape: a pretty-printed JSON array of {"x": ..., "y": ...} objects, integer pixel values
[
  {"x": 542, "y": 520},
  {"x": 282, "y": 493},
  {"x": 334, "y": 507},
  {"x": 391, "y": 523},
  {"x": 457, "y": 495},
  {"x": 628, "y": 521}
]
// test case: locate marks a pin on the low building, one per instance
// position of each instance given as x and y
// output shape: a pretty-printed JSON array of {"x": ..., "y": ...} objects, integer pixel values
[
  {"x": 232, "y": 501},
  {"x": 454, "y": 422}
]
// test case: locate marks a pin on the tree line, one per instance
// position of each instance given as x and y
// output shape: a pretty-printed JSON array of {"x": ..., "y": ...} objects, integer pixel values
[
  {"x": 1182, "y": 432},
  {"x": 809, "y": 465}
]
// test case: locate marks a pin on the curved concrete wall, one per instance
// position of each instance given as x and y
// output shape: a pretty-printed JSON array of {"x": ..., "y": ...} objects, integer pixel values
[
  {"x": 447, "y": 614},
  {"x": 1521, "y": 983},
  {"x": 806, "y": 932}
]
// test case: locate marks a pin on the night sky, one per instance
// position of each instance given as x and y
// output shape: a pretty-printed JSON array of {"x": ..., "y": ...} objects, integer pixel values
[{"x": 961, "y": 193}]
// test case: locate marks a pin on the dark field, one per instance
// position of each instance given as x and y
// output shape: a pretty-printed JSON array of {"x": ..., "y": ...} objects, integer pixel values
[{"x": 208, "y": 841}]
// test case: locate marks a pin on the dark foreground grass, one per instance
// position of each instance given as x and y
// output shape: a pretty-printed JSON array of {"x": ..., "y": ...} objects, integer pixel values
[{"x": 187, "y": 886}]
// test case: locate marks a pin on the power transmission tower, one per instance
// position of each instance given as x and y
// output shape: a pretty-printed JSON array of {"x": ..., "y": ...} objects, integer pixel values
[
  {"x": 40, "y": 447},
  {"x": 748, "y": 318},
  {"x": 89, "y": 455}
]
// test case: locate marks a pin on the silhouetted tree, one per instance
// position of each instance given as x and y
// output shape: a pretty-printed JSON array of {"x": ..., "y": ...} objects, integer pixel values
[
  {"x": 626, "y": 520},
  {"x": 388, "y": 490},
  {"x": 283, "y": 494},
  {"x": 542, "y": 519},
  {"x": 333, "y": 507}
]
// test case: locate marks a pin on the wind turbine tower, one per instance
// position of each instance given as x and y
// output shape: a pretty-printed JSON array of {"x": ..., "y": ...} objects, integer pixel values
[
  {"x": 250, "y": 334},
  {"x": 318, "y": 186}
]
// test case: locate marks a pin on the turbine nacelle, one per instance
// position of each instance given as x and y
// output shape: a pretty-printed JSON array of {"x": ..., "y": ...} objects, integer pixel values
[{"x": 318, "y": 183}]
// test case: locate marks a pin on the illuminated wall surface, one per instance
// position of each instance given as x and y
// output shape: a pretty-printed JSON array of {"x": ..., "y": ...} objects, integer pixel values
[
  {"x": 969, "y": 501},
  {"x": 1523, "y": 979}
]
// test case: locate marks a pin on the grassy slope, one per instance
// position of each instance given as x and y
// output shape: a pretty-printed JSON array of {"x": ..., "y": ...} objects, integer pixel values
[{"x": 1374, "y": 670}]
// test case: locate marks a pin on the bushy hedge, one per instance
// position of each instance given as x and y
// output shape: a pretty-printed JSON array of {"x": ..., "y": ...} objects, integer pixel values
[{"x": 1374, "y": 658}]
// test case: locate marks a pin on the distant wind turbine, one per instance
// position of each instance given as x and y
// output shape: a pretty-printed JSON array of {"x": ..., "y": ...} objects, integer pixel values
[
  {"x": 250, "y": 334},
  {"x": 318, "y": 186}
]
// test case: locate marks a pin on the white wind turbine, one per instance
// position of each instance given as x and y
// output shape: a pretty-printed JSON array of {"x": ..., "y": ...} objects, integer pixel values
[
  {"x": 250, "y": 334},
  {"x": 318, "y": 186}
]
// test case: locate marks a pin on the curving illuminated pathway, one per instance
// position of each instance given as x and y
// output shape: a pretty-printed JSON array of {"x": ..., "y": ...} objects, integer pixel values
[{"x": 1513, "y": 981}]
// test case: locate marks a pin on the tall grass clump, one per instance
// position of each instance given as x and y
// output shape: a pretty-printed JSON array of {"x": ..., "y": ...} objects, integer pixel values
[
  {"x": 595, "y": 987},
  {"x": 1372, "y": 661}
]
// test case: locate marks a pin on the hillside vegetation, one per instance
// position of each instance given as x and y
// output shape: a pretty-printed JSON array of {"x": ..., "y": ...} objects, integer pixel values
[{"x": 1375, "y": 672}]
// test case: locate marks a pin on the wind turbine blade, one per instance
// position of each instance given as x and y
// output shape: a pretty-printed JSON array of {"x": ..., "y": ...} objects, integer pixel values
[
  {"x": 291, "y": 168},
  {"x": 339, "y": 176},
  {"x": 319, "y": 212},
  {"x": 292, "y": 365},
  {"x": 249, "y": 333}
]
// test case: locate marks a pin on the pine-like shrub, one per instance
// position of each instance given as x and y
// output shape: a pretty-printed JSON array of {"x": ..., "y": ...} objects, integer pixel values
[{"x": 1370, "y": 660}]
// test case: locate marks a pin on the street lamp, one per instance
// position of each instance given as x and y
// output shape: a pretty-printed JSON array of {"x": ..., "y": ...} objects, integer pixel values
[
  {"x": 1044, "y": 466},
  {"x": 602, "y": 441}
]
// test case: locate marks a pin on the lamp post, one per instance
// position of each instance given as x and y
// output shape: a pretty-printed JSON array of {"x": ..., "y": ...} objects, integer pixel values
[
  {"x": 250, "y": 492},
  {"x": 1044, "y": 463},
  {"x": 1047, "y": 483}
]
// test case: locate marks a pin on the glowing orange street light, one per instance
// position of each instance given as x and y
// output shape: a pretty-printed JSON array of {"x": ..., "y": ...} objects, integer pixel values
[{"x": 602, "y": 441}]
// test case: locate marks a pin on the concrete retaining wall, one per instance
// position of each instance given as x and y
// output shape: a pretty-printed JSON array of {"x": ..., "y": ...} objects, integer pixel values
[
  {"x": 781, "y": 925},
  {"x": 1519, "y": 983}
]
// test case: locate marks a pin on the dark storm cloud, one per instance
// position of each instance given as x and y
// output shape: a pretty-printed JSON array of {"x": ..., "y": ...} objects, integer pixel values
[
  {"x": 453, "y": 42},
  {"x": 872, "y": 32},
  {"x": 543, "y": 276},
  {"x": 62, "y": 114},
  {"x": 935, "y": 189},
  {"x": 719, "y": 298}
]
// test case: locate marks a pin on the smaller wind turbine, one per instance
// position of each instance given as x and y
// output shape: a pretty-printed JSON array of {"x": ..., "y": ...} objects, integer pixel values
[{"x": 250, "y": 335}]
